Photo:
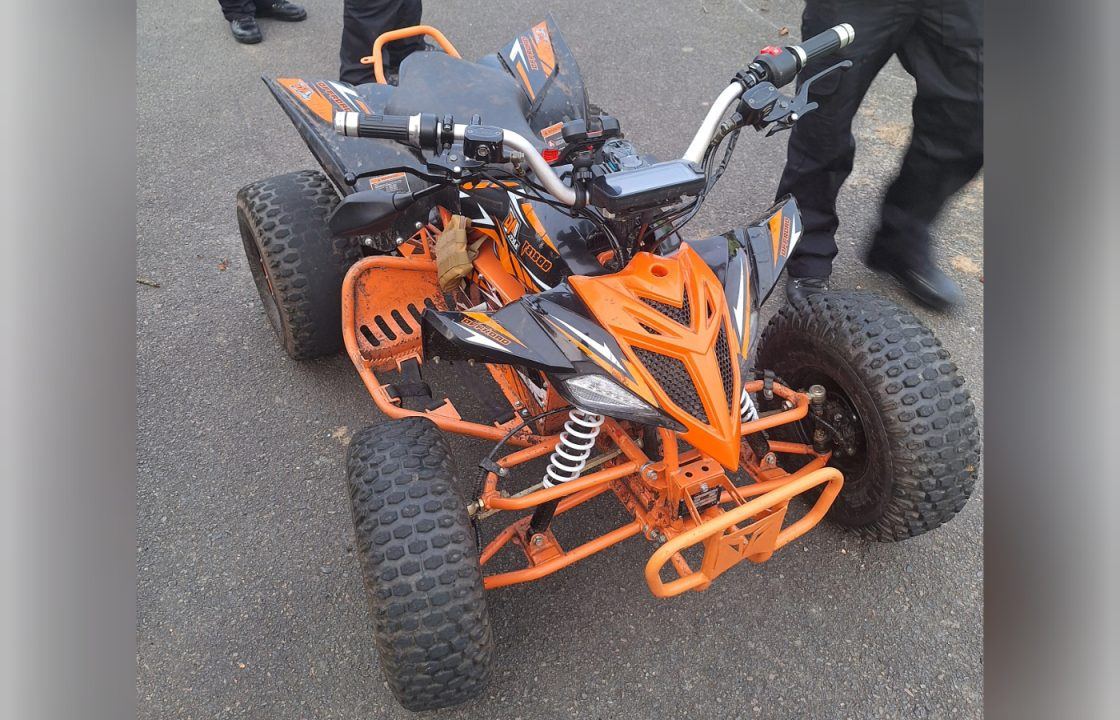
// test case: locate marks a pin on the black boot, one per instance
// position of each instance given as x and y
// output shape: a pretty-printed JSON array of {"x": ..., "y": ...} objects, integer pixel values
[
  {"x": 920, "y": 276},
  {"x": 283, "y": 10},
  {"x": 245, "y": 30},
  {"x": 800, "y": 288}
]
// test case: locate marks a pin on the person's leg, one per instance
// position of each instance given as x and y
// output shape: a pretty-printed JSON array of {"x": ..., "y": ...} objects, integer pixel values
[
  {"x": 945, "y": 56},
  {"x": 242, "y": 23},
  {"x": 280, "y": 10},
  {"x": 362, "y": 22},
  {"x": 821, "y": 146},
  {"x": 234, "y": 9},
  {"x": 409, "y": 13}
]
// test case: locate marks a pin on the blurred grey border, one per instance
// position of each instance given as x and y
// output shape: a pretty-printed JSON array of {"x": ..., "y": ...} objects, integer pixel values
[
  {"x": 1052, "y": 310},
  {"x": 67, "y": 365}
]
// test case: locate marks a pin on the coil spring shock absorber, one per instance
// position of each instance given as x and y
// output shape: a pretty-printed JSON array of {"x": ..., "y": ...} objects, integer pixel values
[
  {"x": 757, "y": 442},
  {"x": 577, "y": 440}
]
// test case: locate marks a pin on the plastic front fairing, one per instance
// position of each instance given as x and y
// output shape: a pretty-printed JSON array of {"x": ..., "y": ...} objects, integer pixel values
[{"x": 670, "y": 317}]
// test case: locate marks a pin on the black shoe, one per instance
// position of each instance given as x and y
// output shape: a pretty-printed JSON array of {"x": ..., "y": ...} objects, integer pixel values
[
  {"x": 920, "y": 277},
  {"x": 245, "y": 30},
  {"x": 800, "y": 288},
  {"x": 283, "y": 10}
]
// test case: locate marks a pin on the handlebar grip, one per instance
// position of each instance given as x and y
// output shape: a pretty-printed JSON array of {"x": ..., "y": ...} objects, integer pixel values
[
  {"x": 827, "y": 42},
  {"x": 387, "y": 127}
]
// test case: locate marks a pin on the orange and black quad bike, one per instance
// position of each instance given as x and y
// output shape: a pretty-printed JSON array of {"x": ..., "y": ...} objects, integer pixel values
[{"x": 501, "y": 263}]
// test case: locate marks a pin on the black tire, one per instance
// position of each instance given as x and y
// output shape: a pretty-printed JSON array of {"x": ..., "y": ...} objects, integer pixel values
[
  {"x": 297, "y": 265},
  {"x": 914, "y": 437},
  {"x": 419, "y": 564}
]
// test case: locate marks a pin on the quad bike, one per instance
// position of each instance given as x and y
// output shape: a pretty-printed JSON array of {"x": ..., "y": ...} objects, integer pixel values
[{"x": 493, "y": 219}]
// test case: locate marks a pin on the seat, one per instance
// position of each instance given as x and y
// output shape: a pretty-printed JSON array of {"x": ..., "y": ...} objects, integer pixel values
[{"x": 434, "y": 82}]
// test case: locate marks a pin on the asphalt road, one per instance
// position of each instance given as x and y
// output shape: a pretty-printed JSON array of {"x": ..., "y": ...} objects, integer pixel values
[{"x": 249, "y": 599}]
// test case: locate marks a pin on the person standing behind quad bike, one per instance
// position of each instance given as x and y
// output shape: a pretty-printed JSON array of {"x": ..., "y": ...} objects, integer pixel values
[
  {"x": 940, "y": 44},
  {"x": 362, "y": 22}
]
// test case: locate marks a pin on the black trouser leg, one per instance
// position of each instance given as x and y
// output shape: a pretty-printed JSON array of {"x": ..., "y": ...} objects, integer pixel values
[
  {"x": 821, "y": 145},
  {"x": 944, "y": 53},
  {"x": 362, "y": 22},
  {"x": 233, "y": 9}
]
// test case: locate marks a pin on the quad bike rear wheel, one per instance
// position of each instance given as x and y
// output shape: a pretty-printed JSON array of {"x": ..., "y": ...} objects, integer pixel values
[
  {"x": 419, "y": 565},
  {"x": 904, "y": 430},
  {"x": 296, "y": 263}
]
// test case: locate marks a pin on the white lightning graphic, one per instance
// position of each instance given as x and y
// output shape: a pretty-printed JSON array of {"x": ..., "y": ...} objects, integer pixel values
[{"x": 601, "y": 348}]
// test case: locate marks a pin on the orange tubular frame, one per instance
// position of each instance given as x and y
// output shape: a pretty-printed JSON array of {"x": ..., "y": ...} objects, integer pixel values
[
  {"x": 376, "y": 57},
  {"x": 744, "y": 522}
]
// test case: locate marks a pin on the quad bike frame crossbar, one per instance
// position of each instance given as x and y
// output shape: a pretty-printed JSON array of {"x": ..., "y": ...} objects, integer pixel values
[
  {"x": 650, "y": 490},
  {"x": 382, "y": 301}
]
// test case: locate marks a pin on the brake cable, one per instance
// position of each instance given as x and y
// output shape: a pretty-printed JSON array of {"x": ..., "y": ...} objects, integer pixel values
[{"x": 488, "y": 463}]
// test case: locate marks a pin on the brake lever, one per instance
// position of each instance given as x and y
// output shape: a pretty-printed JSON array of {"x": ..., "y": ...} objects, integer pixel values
[{"x": 783, "y": 115}]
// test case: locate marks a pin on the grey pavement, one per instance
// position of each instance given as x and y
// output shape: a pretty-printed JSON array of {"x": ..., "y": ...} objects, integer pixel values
[{"x": 249, "y": 599}]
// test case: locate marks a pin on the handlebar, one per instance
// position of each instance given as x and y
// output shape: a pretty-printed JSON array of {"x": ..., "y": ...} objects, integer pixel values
[
  {"x": 825, "y": 43},
  {"x": 777, "y": 66},
  {"x": 427, "y": 132},
  {"x": 389, "y": 127}
]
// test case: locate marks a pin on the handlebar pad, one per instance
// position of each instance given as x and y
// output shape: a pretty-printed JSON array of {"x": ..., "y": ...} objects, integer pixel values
[
  {"x": 388, "y": 127},
  {"x": 822, "y": 44}
]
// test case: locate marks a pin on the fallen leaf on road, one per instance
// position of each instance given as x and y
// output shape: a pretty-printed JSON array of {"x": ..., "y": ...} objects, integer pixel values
[
  {"x": 965, "y": 264},
  {"x": 783, "y": 31},
  {"x": 146, "y": 281},
  {"x": 342, "y": 434},
  {"x": 223, "y": 264}
]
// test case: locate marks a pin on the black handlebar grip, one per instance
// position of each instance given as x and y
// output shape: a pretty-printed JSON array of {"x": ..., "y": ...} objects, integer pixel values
[
  {"x": 822, "y": 44},
  {"x": 387, "y": 127}
]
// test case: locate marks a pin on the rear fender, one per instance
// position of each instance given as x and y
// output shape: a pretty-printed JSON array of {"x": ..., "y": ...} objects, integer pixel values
[{"x": 352, "y": 164}]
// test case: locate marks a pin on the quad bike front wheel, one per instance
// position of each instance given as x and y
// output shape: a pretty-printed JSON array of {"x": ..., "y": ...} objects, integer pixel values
[
  {"x": 419, "y": 565},
  {"x": 296, "y": 263},
  {"x": 904, "y": 431}
]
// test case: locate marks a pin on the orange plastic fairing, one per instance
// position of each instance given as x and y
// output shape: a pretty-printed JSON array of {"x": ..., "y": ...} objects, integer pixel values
[{"x": 670, "y": 316}]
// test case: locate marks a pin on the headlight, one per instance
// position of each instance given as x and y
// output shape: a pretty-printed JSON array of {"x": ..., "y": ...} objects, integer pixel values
[{"x": 600, "y": 394}]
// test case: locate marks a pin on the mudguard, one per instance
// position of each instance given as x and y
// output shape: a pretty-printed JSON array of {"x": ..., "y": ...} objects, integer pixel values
[
  {"x": 769, "y": 240},
  {"x": 352, "y": 164},
  {"x": 509, "y": 336},
  {"x": 539, "y": 62}
]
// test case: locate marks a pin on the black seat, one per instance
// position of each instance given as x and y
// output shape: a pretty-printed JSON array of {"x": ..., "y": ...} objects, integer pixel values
[{"x": 434, "y": 82}]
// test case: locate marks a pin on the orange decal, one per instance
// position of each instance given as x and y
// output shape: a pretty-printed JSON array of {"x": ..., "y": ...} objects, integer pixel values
[
  {"x": 787, "y": 227},
  {"x": 534, "y": 256},
  {"x": 486, "y": 325},
  {"x": 525, "y": 79},
  {"x": 543, "y": 43},
  {"x": 550, "y": 132},
  {"x": 315, "y": 102},
  {"x": 775, "y": 224}
]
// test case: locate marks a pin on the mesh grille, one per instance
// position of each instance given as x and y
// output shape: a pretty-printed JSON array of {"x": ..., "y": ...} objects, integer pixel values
[
  {"x": 682, "y": 315},
  {"x": 726, "y": 374},
  {"x": 672, "y": 375}
]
